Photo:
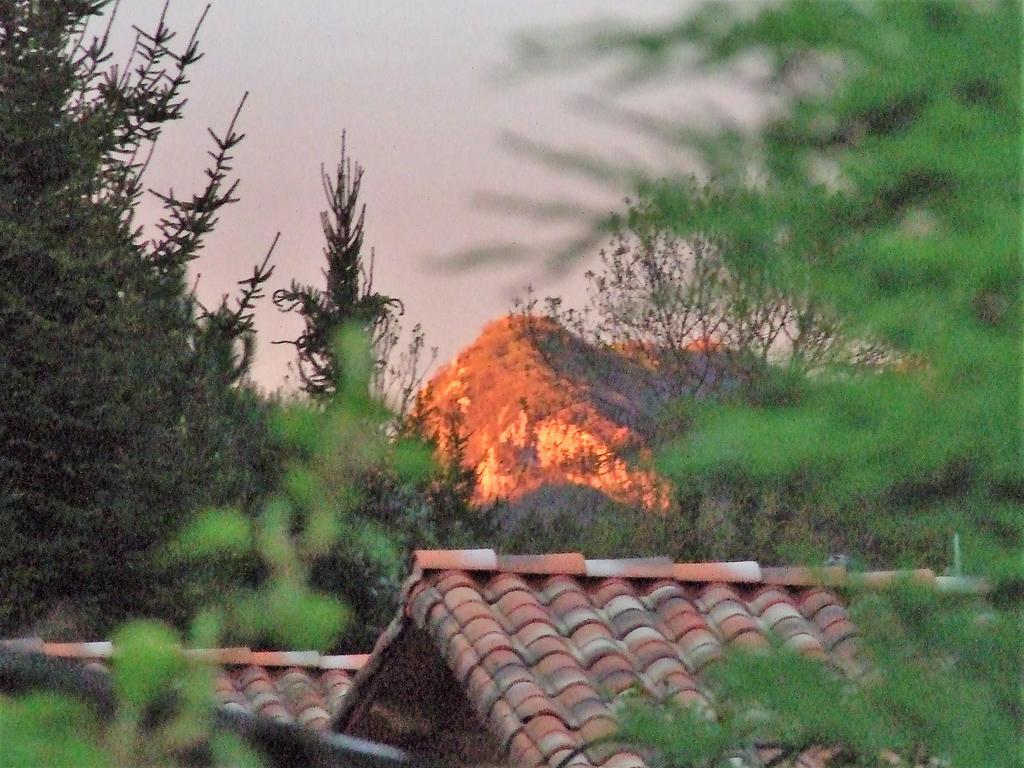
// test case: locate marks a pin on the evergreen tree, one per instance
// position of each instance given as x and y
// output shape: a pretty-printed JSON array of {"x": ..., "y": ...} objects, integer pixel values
[
  {"x": 348, "y": 295},
  {"x": 117, "y": 411}
]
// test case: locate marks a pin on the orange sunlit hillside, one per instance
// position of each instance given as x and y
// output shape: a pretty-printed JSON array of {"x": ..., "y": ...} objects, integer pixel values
[{"x": 536, "y": 407}]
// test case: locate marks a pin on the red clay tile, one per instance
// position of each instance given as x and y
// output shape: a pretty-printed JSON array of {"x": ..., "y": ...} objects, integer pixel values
[
  {"x": 812, "y": 758},
  {"x": 588, "y": 632},
  {"x": 629, "y": 620},
  {"x": 514, "y": 600},
  {"x": 569, "y": 601},
  {"x": 777, "y": 612},
  {"x": 544, "y": 646},
  {"x": 501, "y": 584},
  {"x": 588, "y": 709},
  {"x": 527, "y": 614},
  {"x": 446, "y": 581},
  {"x": 504, "y": 721},
  {"x": 467, "y": 612},
  {"x": 813, "y": 600},
  {"x": 553, "y": 663},
  {"x": 829, "y": 615},
  {"x": 689, "y": 697},
  {"x": 285, "y": 658},
  {"x": 642, "y": 635},
  {"x": 614, "y": 673},
  {"x": 441, "y": 625},
  {"x": 577, "y": 617},
  {"x": 545, "y": 660},
  {"x": 739, "y": 572},
  {"x": 714, "y": 594},
  {"x": 351, "y": 661},
  {"x": 726, "y": 609},
  {"x": 555, "y": 586},
  {"x": 624, "y": 760},
  {"x": 530, "y": 633},
  {"x": 456, "y": 559},
  {"x": 482, "y": 627},
  {"x": 654, "y": 651},
  {"x": 682, "y": 680},
  {"x": 682, "y": 623},
  {"x": 698, "y": 655},
  {"x": 555, "y": 736},
  {"x": 805, "y": 577},
  {"x": 567, "y": 563},
  {"x": 498, "y": 659},
  {"x": 602, "y": 752},
  {"x": 238, "y": 655},
  {"x": 538, "y": 705},
  {"x": 95, "y": 650},
  {"x": 767, "y": 597},
  {"x": 251, "y": 673},
  {"x": 750, "y": 641},
  {"x": 639, "y": 568},
  {"x": 478, "y": 684},
  {"x": 492, "y": 641},
  {"x": 696, "y": 638},
  {"x": 463, "y": 663},
  {"x": 542, "y": 725},
  {"x": 621, "y": 603},
  {"x": 517, "y": 693},
  {"x": 421, "y": 605},
  {"x": 511, "y": 674},
  {"x": 571, "y": 695},
  {"x": 838, "y": 631},
  {"x": 607, "y": 590},
  {"x": 565, "y": 677},
  {"x": 792, "y": 625},
  {"x": 662, "y": 591},
  {"x": 736, "y": 624},
  {"x": 524, "y": 752},
  {"x": 597, "y": 728},
  {"x": 455, "y": 598},
  {"x": 660, "y": 669},
  {"x": 803, "y": 643},
  {"x": 597, "y": 649},
  {"x": 259, "y": 686}
]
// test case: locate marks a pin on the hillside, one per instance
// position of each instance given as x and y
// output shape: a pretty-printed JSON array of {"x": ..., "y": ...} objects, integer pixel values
[{"x": 538, "y": 408}]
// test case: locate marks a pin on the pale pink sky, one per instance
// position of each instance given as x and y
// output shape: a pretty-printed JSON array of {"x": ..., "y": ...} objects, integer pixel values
[{"x": 419, "y": 89}]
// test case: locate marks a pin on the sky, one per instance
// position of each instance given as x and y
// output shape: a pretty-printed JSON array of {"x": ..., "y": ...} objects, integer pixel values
[{"x": 429, "y": 95}]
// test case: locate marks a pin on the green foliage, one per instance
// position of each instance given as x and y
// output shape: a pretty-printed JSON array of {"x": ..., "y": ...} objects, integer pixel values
[
  {"x": 887, "y": 190},
  {"x": 46, "y": 729},
  {"x": 147, "y": 662},
  {"x": 119, "y": 410}
]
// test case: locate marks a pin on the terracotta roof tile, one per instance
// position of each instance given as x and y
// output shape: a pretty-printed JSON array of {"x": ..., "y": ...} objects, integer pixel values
[
  {"x": 567, "y": 563},
  {"x": 743, "y": 572},
  {"x": 639, "y": 568},
  {"x": 832, "y": 576},
  {"x": 545, "y": 644},
  {"x": 461, "y": 559},
  {"x": 293, "y": 686}
]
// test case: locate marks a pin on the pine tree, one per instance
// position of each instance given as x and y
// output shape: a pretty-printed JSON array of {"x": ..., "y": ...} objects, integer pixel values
[
  {"x": 117, "y": 411},
  {"x": 348, "y": 295}
]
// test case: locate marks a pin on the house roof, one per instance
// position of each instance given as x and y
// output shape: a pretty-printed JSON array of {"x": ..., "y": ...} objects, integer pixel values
[
  {"x": 544, "y": 646},
  {"x": 298, "y": 687}
]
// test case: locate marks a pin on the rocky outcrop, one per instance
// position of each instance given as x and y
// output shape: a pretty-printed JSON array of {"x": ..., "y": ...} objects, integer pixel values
[{"x": 535, "y": 407}]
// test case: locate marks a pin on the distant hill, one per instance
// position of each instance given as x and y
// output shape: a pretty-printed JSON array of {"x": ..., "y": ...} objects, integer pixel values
[{"x": 539, "y": 410}]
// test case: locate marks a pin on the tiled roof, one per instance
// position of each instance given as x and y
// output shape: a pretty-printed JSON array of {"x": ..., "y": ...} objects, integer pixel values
[
  {"x": 300, "y": 687},
  {"x": 543, "y": 646}
]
